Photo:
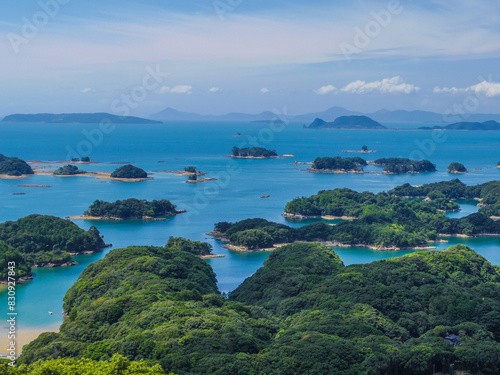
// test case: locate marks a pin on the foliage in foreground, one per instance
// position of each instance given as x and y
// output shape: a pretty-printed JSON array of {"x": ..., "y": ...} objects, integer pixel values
[
  {"x": 117, "y": 365},
  {"x": 304, "y": 312}
]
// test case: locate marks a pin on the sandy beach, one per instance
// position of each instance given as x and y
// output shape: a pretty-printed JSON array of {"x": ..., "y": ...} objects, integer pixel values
[{"x": 24, "y": 335}]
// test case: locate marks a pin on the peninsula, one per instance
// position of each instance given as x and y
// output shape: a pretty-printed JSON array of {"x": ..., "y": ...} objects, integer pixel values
[
  {"x": 76, "y": 118},
  {"x": 44, "y": 241},
  {"x": 347, "y": 122}
]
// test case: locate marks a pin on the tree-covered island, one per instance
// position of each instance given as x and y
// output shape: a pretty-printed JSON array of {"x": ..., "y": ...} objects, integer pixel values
[
  {"x": 253, "y": 153},
  {"x": 303, "y": 312},
  {"x": 130, "y": 209},
  {"x": 68, "y": 170},
  {"x": 457, "y": 168},
  {"x": 12, "y": 166},
  {"x": 129, "y": 172},
  {"x": 402, "y": 165},
  {"x": 338, "y": 165},
  {"x": 44, "y": 241}
]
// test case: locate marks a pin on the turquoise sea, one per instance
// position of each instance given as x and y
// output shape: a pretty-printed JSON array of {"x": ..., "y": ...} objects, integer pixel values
[{"x": 235, "y": 196}]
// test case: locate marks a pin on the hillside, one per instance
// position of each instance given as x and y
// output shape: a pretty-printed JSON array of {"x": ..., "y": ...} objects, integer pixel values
[
  {"x": 347, "y": 122},
  {"x": 77, "y": 118}
]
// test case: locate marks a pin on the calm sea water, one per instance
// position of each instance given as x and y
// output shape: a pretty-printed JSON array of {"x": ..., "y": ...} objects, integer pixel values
[{"x": 235, "y": 196}]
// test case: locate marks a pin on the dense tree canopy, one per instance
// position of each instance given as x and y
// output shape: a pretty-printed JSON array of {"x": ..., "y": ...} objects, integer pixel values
[
  {"x": 129, "y": 171},
  {"x": 68, "y": 170},
  {"x": 253, "y": 152},
  {"x": 14, "y": 166},
  {"x": 339, "y": 164},
  {"x": 8, "y": 254},
  {"x": 131, "y": 208},
  {"x": 456, "y": 168},
  {"x": 401, "y": 165},
  {"x": 303, "y": 312}
]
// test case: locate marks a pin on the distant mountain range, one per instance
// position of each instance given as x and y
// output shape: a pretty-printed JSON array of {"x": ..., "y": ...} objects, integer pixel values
[
  {"x": 77, "y": 118},
  {"x": 382, "y": 116},
  {"x": 487, "y": 125},
  {"x": 347, "y": 122}
]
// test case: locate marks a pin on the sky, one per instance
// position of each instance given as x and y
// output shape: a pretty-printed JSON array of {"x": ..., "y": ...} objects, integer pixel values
[{"x": 220, "y": 56}]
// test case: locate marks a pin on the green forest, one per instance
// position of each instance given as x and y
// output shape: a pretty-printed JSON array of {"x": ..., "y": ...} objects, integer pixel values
[
  {"x": 131, "y": 208},
  {"x": 255, "y": 152},
  {"x": 303, "y": 312},
  {"x": 68, "y": 170},
  {"x": 339, "y": 164},
  {"x": 401, "y": 165},
  {"x": 129, "y": 171},
  {"x": 40, "y": 240},
  {"x": 14, "y": 166}
]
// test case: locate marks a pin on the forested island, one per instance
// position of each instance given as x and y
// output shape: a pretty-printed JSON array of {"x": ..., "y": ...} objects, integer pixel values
[
  {"x": 402, "y": 165},
  {"x": 347, "y": 122},
  {"x": 130, "y": 209},
  {"x": 77, "y": 118},
  {"x": 12, "y": 166},
  {"x": 303, "y": 312},
  {"x": 338, "y": 165},
  {"x": 129, "y": 172},
  {"x": 44, "y": 241},
  {"x": 457, "y": 168},
  {"x": 364, "y": 150},
  {"x": 253, "y": 153},
  {"x": 486, "y": 125},
  {"x": 68, "y": 170}
]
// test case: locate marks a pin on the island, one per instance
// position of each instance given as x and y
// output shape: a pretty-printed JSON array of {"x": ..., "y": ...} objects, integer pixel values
[
  {"x": 364, "y": 150},
  {"x": 402, "y": 165},
  {"x": 457, "y": 168},
  {"x": 303, "y": 312},
  {"x": 129, "y": 172},
  {"x": 338, "y": 165},
  {"x": 347, "y": 122},
  {"x": 76, "y": 118},
  {"x": 130, "y": 209},
  {"x": 45, "y": 241},
  {"x": 12, "y": 167},
  {"x": 253, "y": 153},
  {"x": 481, "y": 126},
  {"x": 68, "y": 170}
]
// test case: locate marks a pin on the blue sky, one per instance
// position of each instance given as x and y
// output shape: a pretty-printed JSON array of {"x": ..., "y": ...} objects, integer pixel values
[{"x": 249, "y": 56}]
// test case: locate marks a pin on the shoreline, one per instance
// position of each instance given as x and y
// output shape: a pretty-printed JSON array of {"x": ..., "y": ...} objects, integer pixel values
[
  {"x": 200, "y": 180},
  {"x": 359, "y": 152},
  {"x": 336, "y": 171},
  {"x": 183, "y": 173},
  {"x": 260, "y": 157},
  {"x": 212, "y": 256},
  {"x": 113, "y": 218},
  {"x": 324, "y": 217},
  {"x": 99, "y": 175},
  {"x": 24, "y": 336}
]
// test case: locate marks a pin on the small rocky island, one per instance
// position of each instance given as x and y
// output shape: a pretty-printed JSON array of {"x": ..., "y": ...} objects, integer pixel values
[
  {"x": 130, "y": 209},
  {"x": 457, "y": 168},
  {"x": 348, "y": 123},
  {"x": 364, "y": 150},
  {"x": 68, "y": 170},
  {"x": 338, "y": 165}
]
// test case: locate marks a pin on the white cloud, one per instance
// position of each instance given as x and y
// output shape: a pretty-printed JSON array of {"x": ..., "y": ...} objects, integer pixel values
[
  {"x": 323, "y": 90},
  {"x": 264, "y": 90},
  {"x": 179, "y": 89},
  {"x": 214, "y": 89},
  {"x": 86, "y": 90},
  {"x": 394, "y": 85},
  {"x": 447, "y": 90},
  {"x": 485, "y": 88}
]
